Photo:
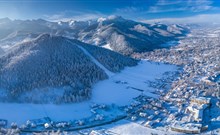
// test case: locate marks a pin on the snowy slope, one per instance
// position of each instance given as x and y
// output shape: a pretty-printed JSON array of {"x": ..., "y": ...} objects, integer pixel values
[
  {"x": 119, "y": 88},
  {"x": 104, "y": 92},
  {"x": 127, "y": 36},
  {"x": 119, "y": 34},
  {"x": 16, "y": 31},
  {"x": 125, "y": 127},
  {"x": 53, "y": 69}
]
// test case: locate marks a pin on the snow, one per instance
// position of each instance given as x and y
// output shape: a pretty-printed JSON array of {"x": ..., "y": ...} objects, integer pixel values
[
  {"x": 47, "y": 95},
  {"x": 18, "y": 58},
  {"x": 125, "y": 127},
  {"x": 112, "y": 17},
  {"x": 101, "y": 19},
  {"x": 135, "y": 77},
  {"x": 104, "y": 92},
  {"x": 107, "y": 46},
  {"x": 71, "y": 22},
  {"x": 188, "y": 126},
  {"x": 163, "y": 32},
  {"x": 174, "y": 29},
  {"x": 96, "y": 40},
  {"x": 213, "y": 35},
  {"x": 142, "y": 29},
  {"x": 20, "y": 113}
]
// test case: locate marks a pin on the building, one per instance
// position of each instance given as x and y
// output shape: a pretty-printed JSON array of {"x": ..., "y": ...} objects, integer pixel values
[
  {"x": 201, "y": 100},
  {"x": 189, "y": 128},
  {"x": 196, "y": 111},
  {"x": 149, "y": 124}
]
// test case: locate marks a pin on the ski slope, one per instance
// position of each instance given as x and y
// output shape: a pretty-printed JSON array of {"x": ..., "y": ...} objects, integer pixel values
[{"x": 109, "y": 73}]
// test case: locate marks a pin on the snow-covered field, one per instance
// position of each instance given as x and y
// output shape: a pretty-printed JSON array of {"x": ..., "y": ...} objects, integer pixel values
[
  {"x": 117, "y": 90},
  {"x": 121, "y": 93},
  {"x": 125, "y": 127}
]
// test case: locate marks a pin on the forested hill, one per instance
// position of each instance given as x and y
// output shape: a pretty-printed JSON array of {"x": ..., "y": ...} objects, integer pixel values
[{"x": 52, "y": 69}]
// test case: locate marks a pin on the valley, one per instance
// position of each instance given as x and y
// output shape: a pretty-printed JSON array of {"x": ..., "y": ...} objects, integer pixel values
[
  {"x": 88, "y": 89},
  {"x": 114, "y": 94}
]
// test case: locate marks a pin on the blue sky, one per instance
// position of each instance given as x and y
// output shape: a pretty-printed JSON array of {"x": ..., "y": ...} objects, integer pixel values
[{"x": 91, "y": 9}]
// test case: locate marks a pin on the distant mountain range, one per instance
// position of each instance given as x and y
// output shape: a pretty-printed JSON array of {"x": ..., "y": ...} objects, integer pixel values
[
  {"x": 114, "y": 32},
  {"x": 55, "y": 69}
]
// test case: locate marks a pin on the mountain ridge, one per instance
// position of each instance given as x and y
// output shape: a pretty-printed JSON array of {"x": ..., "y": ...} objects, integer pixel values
[{"x": 122, "y": 35}]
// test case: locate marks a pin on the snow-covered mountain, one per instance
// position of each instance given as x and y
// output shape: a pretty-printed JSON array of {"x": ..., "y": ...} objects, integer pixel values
[
  {"x": 114, "y": 32},
  {"x": 55, "y": 69},
  {"x": 127, "y": 36},
  {"x": 16, "y": 31}
]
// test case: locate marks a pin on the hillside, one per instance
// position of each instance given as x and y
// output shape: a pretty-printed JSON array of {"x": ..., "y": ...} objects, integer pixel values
[
  {"x": 127, "y": 36},
  {"x": 114, "y": 32},
  {"x": 15, "y": 31},
  {"x": 112, "y": 61},
  {"x": 50, "y": 69}
]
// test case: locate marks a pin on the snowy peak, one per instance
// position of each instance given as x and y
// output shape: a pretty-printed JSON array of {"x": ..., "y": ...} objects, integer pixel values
[
  {"x": 119, "y": 34},
  {"x": 74, "y": 24},
  {"x": 44, "y": 37},
  {"x": 115, "y": 18},
  {"x": 5, "y": 20},
  {"x": 101, "y": 19},
  {"x": 127, "y": 36},
  {"x": 112, "y": 18}
]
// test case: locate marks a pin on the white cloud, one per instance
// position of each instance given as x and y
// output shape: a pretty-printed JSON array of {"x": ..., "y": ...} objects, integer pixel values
[
  {"x": 130, "y": 9},
  {"x": 181, "y": 5},
  {"x": 161, "y": 6},
  {"x": 166, "y": 2},
  {"x": 74, "y": 15},
  {"x": 202, "y": 18}
]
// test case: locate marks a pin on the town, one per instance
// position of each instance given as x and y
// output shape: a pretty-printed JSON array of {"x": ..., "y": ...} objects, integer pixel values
[{"x": 199, "y": 56}]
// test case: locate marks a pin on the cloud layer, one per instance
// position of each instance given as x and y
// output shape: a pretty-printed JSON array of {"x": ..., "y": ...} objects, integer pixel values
[
  {"x": 74, "y": 15},
  {"x": 181, "y": 5},
  {"x": 202, "y": 18},
  {"x": 201, "y": 9}
]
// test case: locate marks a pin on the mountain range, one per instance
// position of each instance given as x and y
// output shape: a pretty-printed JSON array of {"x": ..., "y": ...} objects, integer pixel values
[{"x": 114, "y": 32}]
